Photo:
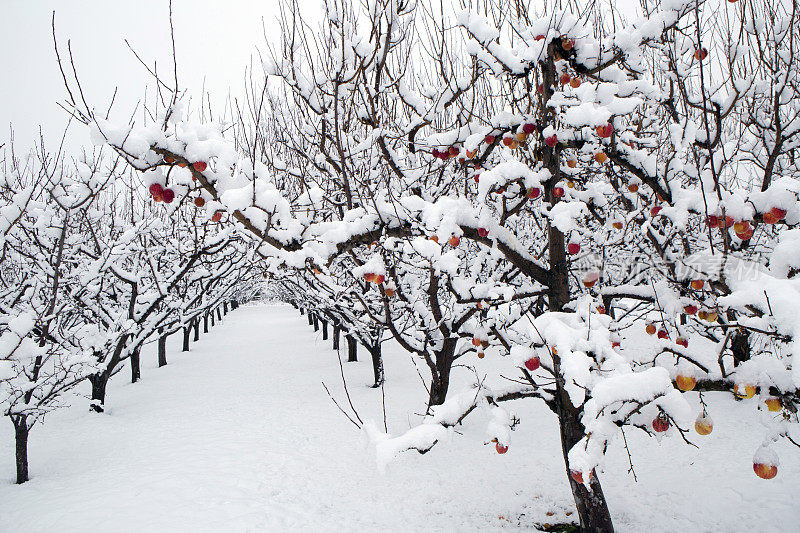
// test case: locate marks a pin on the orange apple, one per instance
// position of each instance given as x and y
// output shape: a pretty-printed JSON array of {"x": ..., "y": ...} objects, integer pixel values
[
  {"x": 698, "y": 284},
  {"x": 765, "y": 471},
  {"x": 703, "y": 425},
  {"x": 600, "y": 157},
  {"x": 685, "y": 383},
  {"x": 744, "y": 391},
  {"x": 773, "y": 404},
  {"x": 575, "y": 83},
  {"x": 454, "y": 241},
  {"x": 650, "y": 329}
]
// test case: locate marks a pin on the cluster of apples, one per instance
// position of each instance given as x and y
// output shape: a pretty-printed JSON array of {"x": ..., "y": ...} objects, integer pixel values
[
  {"x": 160, "y": 194},
  {"x": 377, "y": 279},
  {"x": 199, "y": 166},
  {"x": 453, "y": 241},
  {"x": 481, "y": 344},
  {"x": 662, "y": 333},
  {"x": 451, "y": 152}
]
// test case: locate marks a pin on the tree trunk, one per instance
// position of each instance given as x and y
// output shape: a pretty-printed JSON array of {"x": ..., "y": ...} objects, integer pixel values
[
  {"x": 213, "y": 319},
  {"x": 205, "y": 323},
  {"x": 310, "y": 319},
  {"x": 592, "y": 508},
  {"x": 440, "y": 381},
  {"x": 99, "y": 382},
  {"x": 234, "y": 305},
  {"x": 136, "y": 370},
  {"x": 740, "y": 346},
  {"x": 196, "y": 324},
  {"x": 162, "y": 345},
  {"x": 336, "y": 332},
  {"x": 224, "y": 308},
  {"x": 316, "y": 323},
  {"x": 187, "y": 331},
  {"x": 377, "y": 364},
  {"x": 219, "y": 314},
  {"x": 352, "y": 350},
  {"x": 21, "y": 432},
  {"x": 302, "y": 311},
  {"x": 324, "y": 329}
]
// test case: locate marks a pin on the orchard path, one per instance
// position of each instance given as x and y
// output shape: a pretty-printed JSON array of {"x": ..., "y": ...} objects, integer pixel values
[{"x": 239, "y": 435}]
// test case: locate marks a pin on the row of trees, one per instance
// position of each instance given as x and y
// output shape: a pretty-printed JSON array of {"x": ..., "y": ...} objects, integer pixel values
[
  {"x": 549, "y": 183},
  {"x": 92, "y": 271}
]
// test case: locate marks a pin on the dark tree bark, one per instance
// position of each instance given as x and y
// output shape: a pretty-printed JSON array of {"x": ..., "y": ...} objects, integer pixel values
[
  {"x": 21, "y": 432},
  {"x": 196, "y": 325},
  {"x": 316, "y": 323},
  {"x": 377, "y": 364},
  {"x": 234, "y": 305},
  {"x": 136, "y": 369},
  {"x": 440, "y": 381},
  {"x": 162, "y": 345},
  {"x": 352, "y": 349},
  {"x": 213, "y": 320},
  {"x": 310, "y": 318},
  {"x": 224, "y": 308},
  {"x": 324, "y": 329},
  {"x": 740, "y": 346},
  {"x": 302, "y": 311},
  {"x": 205, "y": 323},
  {"x": 219, "y": 314},
  {"x": 336, "y": 333},
  {"x": 99, "y": 382},
  {"x": 187, "y": 332}
]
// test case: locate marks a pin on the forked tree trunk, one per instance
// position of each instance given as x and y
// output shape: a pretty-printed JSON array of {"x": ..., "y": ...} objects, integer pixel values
[
  {"x": 336, "y": 333},
  {"x": 377, "y": 364},
  {"x": 352, "y": 350},
  {"x": 136, "y": 370},
  {"x": 324, "y": 329},
  {"x": 162, "y": 346},
  {"x": 99, "y": 382},
  {"x": 21, "y": 432},
  {"x": 440, "y": 381},
  {"x": 196, "y": 324}
]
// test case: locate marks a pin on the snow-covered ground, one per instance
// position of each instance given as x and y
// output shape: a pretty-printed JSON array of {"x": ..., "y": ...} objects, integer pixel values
[{"x": 239, "y": 435}]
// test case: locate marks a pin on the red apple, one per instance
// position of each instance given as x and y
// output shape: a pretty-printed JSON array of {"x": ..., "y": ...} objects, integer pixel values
[
  {"x": 379, "y": 278},
  {"x": 533, "y": 193},
  {"x": 199, "y": 202},
  {"x": 660, "y": 423},
  {"x": 778, "y": 213},
  {"x": 500, "y": 448},
  {"x": 700, "y": 54},
  {"x": 155, "y": 189},
  {"x": 690, "y": 309},
  {"x": 573, "y": 248},
  {"x": 564, "y": 78},
  {"x": 200, "y": 166},
  {"x": 489, "y": 139},
  {"x": 604, "y": 132},
  {"x": 683, "y": 341},
  {"x": 712, "y": 221},
  {"x": 575, "y": 83},
  {"x": 655, "y": 210},
  {"x": 567, "y": 44},
  {"x": 369, "y": 276},
  {"x": 483, "y": 232},
  {"x": 454, "y": 241},
  {"x": 168, "y": 195},
  {"x": 650, "y": 329},
  {"x": 532, "y": 363},
  {"x": 662, "y": 334},
  {"x": 508, "y": 140},
  {"x": 476, "y": 341},
  {"x": 551, "y": 141},
  {"x": 454, "y": 151},
  {"x": 617, "y": 224},
  {"x": 217, "y": 216},
  {"x": 558, "y": 192},
  {"x": 529, "y": 128}
]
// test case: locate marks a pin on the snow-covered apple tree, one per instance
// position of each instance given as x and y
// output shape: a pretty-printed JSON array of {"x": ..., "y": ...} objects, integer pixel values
[{"x": 554, "y": 183}]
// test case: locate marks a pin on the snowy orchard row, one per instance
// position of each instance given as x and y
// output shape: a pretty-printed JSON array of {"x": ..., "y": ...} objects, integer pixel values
[
  {"x": 90, "y": 273},
  {"x": 550, "y": 186}
]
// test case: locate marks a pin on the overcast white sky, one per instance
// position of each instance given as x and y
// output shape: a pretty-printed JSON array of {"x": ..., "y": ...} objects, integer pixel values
[{"x": 214, "y": 39}]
